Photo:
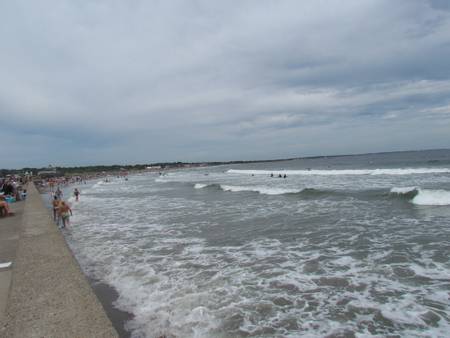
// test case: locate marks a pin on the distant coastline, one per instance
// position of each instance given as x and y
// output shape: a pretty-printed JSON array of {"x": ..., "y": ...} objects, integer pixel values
[{"x": 117, "y": 168}]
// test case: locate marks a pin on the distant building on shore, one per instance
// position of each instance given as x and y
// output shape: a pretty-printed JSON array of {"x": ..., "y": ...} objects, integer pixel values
[{"x": 49, "y": 172}]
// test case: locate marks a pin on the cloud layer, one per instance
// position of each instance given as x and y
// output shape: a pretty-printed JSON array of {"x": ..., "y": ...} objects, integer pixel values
[{"x": 145, "y": 81}]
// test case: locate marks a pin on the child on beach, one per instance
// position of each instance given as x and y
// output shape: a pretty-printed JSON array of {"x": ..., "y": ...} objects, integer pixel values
[{"x": 65, "y": 212}]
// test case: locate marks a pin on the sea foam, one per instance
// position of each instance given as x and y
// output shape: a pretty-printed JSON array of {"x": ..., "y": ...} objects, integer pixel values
[
  {"x": 240, "y": 265},
  {"x": 424, "y": 196},
  {"x": 262, "y": 190},
  {"x": 432, "y": 197}
]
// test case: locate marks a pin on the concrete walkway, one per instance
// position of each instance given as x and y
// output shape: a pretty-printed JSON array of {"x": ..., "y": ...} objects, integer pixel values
[
  {"x": 9, "y": 237},
  {"x": 48, "y": 294}
]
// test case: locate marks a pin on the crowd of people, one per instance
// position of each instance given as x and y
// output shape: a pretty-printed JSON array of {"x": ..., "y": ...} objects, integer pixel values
[
  {"x": 12, "y": 189},
  {"x": 61, "y": 208},
  {"x": 50, "y": 184}
]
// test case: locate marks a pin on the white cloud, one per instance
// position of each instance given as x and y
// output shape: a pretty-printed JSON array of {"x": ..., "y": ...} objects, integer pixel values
[{"x": 111, "y": 75}]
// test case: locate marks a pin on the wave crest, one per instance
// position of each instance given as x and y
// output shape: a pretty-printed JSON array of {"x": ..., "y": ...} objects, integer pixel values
[
  {"x": 432, "y": 197},
  {"x": 393, "y": 171},
  {"x": 423, "y": 196},
  {"x": 261, "y": 190}
]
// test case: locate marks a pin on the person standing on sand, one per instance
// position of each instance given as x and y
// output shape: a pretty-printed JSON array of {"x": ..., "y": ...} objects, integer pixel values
[
  {"x": 65, "y": 212},
  {"x": 76, "y": 193}
]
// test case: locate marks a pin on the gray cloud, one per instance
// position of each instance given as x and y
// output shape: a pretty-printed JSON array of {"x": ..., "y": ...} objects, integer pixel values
[{"x": 116, "y": 81}]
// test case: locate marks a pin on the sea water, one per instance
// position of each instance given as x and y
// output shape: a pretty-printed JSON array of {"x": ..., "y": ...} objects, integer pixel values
[{"x": 344, "y": 246}]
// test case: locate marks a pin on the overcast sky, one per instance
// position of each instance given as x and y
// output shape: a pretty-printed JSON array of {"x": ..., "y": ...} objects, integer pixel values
[{"x": 103, "y": 82}]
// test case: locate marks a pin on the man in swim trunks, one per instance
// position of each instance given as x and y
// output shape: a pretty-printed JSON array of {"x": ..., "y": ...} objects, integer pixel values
[{"x": 65, "y": 212}]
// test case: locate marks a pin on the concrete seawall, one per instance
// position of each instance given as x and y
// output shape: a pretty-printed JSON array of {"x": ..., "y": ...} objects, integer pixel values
[{"x": 48, "y": 294}]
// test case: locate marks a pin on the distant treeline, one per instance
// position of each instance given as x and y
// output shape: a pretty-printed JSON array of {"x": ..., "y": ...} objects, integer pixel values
[
  {"x": 118, "y": 167},
  {"x": 94, "y": 168}
]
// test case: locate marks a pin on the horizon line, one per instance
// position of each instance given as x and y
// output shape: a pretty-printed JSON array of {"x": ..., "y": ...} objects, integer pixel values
[{"x": 229, "y": 161}]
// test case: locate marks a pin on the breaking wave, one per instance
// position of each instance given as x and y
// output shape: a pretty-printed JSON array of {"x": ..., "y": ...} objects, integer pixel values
[
  {"x": 261, "y": 190},
  {"x": 423, "y": 196},
  {"x": 406, "y": 192},
  {"x": 394, "y": 171},
  {"x": 432, "y": 197},
  {"x": 264, "y": 190},
  {"x": 415, "y": 195}
]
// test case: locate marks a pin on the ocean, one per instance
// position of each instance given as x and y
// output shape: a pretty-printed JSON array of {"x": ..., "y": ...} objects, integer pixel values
[{"x": 346, "y": 246}]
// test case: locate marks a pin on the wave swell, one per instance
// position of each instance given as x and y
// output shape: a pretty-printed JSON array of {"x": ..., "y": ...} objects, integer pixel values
[
  {"x": 394, "y": 171},
  {"x": 415, "y": 195},
  {"x": 259, "y": 189}
]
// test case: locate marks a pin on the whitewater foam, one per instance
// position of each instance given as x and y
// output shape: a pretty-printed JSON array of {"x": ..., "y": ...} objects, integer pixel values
[
  {"x": 403, "y": 190},
  {"x": 424, "y": 196},
  {"x": 393, "y": 171},
  {"x": 432, "y": 197},
  {"x": 237, "y": 265},
  {"x": 98, "y": 184},
  {"x": 261, "y": 190}
]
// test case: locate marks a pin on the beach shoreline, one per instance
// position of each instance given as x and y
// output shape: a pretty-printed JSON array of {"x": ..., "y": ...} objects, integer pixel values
[
  {"x": 49, "y": 295},
  {"x": 107, "y": 295}
]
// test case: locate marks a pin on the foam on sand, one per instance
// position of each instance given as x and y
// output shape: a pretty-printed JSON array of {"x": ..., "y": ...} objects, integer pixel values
[{"x": 393, "y": 171}]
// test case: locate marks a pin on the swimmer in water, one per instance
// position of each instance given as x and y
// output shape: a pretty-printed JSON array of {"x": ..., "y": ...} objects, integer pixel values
[{"x": 76, "y": 193}]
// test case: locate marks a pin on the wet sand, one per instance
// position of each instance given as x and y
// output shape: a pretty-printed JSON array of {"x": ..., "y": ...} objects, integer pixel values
[{"x": 107, "y": 295}]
